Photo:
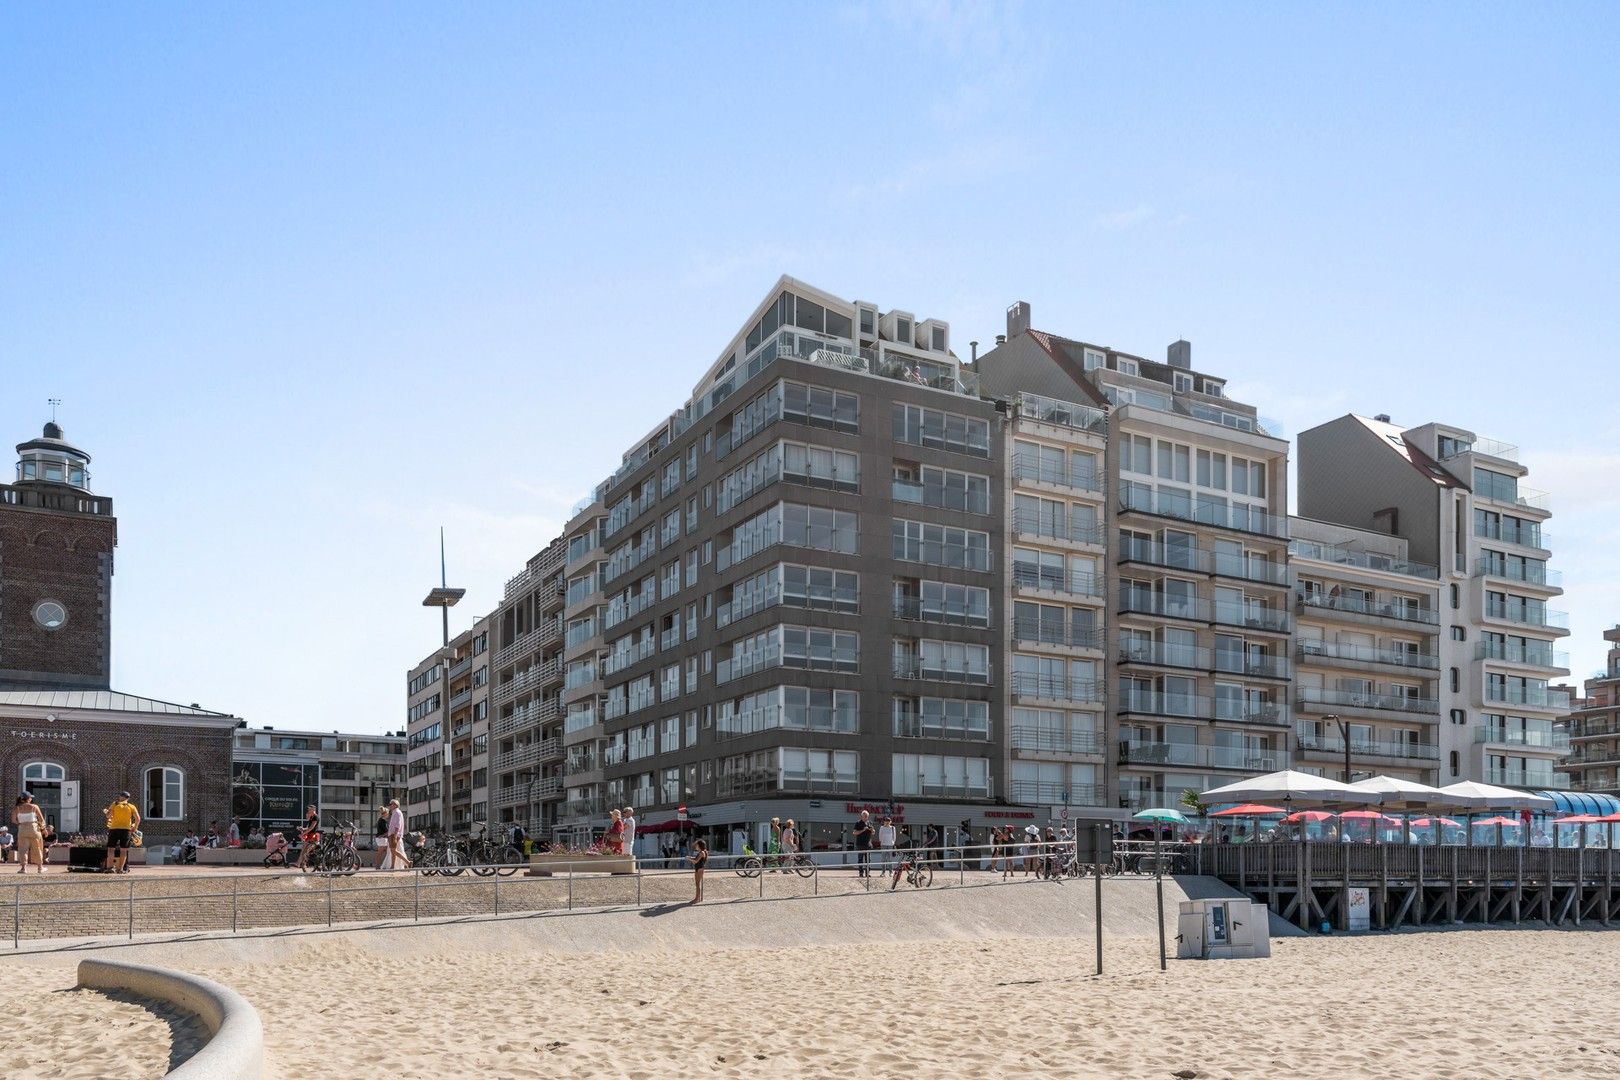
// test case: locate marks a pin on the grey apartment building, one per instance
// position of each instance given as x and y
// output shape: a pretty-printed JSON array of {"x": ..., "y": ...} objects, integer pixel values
[
  {"x": 788, "y": 600},
  {"x": 276, "y": 772},
  {"x": 1190, "y": 542},
  {"x": 447, "y": 721},
  {"x": 854, "y": 571},
  {"x": 1459, "y": 503}
]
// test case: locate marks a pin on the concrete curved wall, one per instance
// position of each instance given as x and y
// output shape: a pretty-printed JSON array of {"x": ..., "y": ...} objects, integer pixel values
[{"x": 235, "y": 1050}]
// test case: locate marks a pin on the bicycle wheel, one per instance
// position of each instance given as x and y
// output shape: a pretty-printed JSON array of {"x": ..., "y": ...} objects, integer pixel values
[
  {"x": 511, "y": 860},
  {"x": 452, "y": 861},
  {"x": 348, "y": 861},
  {"x": 750, "y": 867},
  {"x": 804, "y": 867}
]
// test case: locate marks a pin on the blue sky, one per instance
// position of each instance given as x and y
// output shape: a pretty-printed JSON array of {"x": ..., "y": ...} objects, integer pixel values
[{"x": 312, "y": 281}]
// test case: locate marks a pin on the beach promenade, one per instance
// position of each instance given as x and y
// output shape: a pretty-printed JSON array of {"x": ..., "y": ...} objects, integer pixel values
[{"x": 993, "y": 982}]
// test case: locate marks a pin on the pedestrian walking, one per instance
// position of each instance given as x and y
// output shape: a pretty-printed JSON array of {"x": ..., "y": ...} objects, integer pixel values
[
  {"x": 629, "y": 818},
  {"x": 397, "y": 859},
  {"x": 864, "y": 836},
  {"x": 122, "y": 820},
  {"x": 613, "y": 839},
  {"x": 379, "y": 839},
  {"x": 699, "y": 860}
]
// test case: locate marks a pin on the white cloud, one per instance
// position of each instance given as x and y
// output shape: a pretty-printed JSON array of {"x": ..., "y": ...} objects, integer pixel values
[{"x": 1120, "y": 220}]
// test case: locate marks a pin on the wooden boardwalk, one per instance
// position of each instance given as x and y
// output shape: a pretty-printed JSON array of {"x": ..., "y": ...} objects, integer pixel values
[{"x": 1415, "y": 885}]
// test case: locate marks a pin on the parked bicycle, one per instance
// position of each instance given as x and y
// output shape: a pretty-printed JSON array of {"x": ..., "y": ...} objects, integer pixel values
[
  {"x": 334, "y": 853},
  {"x": 492, "y": 854},
  {"x": 752, "y": 865}
]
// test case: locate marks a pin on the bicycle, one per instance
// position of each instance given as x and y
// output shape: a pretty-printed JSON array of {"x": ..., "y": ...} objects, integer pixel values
[
  {"x": 334, "y": 854},
  {"x": 919, "y": 875},
  {"x": 489, "y": 855}
]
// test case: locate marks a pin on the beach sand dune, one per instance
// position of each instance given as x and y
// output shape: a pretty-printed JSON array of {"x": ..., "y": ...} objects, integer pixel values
[{"x": 993, "y": 983}]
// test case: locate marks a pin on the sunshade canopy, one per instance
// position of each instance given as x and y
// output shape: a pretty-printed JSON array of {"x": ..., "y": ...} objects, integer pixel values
[
  {"x": 1479, "y": 796},
  {"x": 1292, "y": 788}
]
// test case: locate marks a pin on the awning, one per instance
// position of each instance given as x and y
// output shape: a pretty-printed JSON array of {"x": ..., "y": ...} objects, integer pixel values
[
  {"x": 1567, "y": 803},
  {"x": 672, "y": 825}
]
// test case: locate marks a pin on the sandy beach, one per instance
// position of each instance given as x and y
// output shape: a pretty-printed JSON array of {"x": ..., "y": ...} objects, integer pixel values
[{"x": 649, "y": 995}]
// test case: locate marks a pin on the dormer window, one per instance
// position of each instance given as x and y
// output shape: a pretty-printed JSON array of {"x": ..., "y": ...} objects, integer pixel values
[{"x": 1126, "y": 367}]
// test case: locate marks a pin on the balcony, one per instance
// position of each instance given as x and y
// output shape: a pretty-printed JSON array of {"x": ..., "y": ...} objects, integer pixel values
[
  {"x": 760, "y": 782},
  {"x": 623, "y": 658},
  {"x": 459, "y": 668},
  {"x": 1237, "y": 517},
  {"x": 1320, "y": 699},
  {"x": 1029, "y": 577},
  {"x": 1033, "y": 523},
  {"x": 1535, "y": 781},
  {"x": 1046, "y": 741},
  {"x": 541, "y": 636},
  {"x": 1027, "y": 685},
  {"x": 952, "y": 789},
  {"x": 1366, "y": 560},
  {"x": 912, "y": 725},
  {"x": 846, "y": 662},
  {"x": 941, "y": 497},
  {"x": 1332, "y": 747},
  {"x": 1190, "y": 755},
  {"x": 1314, "y": 651},
  {"x": 1057, "y": 793},
  {"x": 1551, "y": 620},
  {"x": 833, "y": 721},
  {"x": 1201, "y": 561},
  {"x": 591, "y": 806},
  {"x": 1141, "y": 602},
  {"x": 1045, "y": 410},
  {"x": 1157, "y": 703},
  {"x": 938, "y": 670},
  {"x": 1537, "y": 654},
  {"x": 1251, "y": 617},
  {"x": 1491, "y": 447},
  {"x": 1529, "y": 573},
  {"x": 814, "y": 599},
  {"x": 1246, "y": 710},
  {"x": 1526, "y": 534},
  {"x": 1522, "y": 498},
  {"x": 1504, "y": 736},
  {"x": 1030, "y": 469},
  {"x": 1252, "y": 665},
  {"x": 916, "y": 609},
  {"x": 1028, "y": 631},
  {"x": 534, "y": 713},
  {"x": 1160, "y": 654},
  {"x": 1536, "y": 697},
  {"x": 1370, "y": 612},
  {"x": 532, "y": 754}
]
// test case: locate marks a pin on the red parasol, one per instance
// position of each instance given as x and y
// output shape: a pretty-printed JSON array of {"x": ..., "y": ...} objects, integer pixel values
[
  {"x": 1307, "y": 815},
  {"x": 1370, "y": 815},
  {"x": 1577, "y": 819},
  {"x": 1424, "y": 823},
  {"x": 1248, "y": 810},
  {"x": 1512, "y": 823}
]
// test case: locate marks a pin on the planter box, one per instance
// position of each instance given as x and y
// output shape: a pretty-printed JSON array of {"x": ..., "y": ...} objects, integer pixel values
[{"x": 546, "y": 865}]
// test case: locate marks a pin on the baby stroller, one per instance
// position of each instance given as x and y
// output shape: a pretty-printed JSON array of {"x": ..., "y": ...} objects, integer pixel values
[{"x": 276, "y": 849}]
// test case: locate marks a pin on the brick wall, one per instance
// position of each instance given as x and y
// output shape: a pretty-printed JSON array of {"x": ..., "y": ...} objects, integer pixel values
[
  {"x": 108, "y": 756},
  {"x": 46, "y": 555}
]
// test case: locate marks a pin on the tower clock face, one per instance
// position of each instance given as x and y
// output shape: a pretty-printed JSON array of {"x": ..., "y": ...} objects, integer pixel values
[{"x": 50, "y": 614}]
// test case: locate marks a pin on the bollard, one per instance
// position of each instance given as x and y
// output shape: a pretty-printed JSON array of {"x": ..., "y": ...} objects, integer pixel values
[
  {"x": 1098, "y": 870},
  {"x": 328, "y": 901},
  {"x": 570, "y": 888},
  {"x": 497, "y": 894},
  {"x": 416, "y": 897},
  {"x": 233, "y": 905},
  {"x": 16, "y": 920},
  {"x": 132, "y": 910}
]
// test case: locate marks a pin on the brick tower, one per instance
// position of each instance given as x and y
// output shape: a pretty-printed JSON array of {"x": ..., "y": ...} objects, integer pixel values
[{"x": 56, "y": 564}]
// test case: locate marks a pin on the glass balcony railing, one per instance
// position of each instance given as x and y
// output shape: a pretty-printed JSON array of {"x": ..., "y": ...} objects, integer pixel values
[
  {"x": 1506, "y": 736},
  {"x": 1405, "y": 749},
  {"x": 1367, "y": 560},
  {"x": 941, "y": 496},
  {"x": 1047, "y": 410},
  {"x": 1366, "y": 699},
  {"x": 926, "y": 726},
  {"x": 1255, "y": 760},
  {"x": 1034, "y": 523},
  {"x": 773, "y": 717},
  {"x": 1539, "y": 697},
  {"x": 1312, "y": 648},
  {"x": 1039, "y": 632},
  {"x": 1155, "y": 703},
  {"x": 1053, "y": 580},
  {"x": 1535, "y": 654},
  {"x": 1251, "y": 616},
  {"x": 1162, "y": 654},
  {"x": 941, "y": 670},
  {"x": 917, "y": 609},
  {"x": 1531, "y": 572},
  {"x": 1528, "y": 616},
  {"x": 1520, "y": 778},
  {"x": 1237, "y": 516},
  {"x": 1057, "y": 793},
  {"x": 1401, "y": 610}
]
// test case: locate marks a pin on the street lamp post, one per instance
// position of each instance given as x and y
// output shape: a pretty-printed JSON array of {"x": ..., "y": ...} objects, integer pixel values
[{"x": 1344, "y": 735}]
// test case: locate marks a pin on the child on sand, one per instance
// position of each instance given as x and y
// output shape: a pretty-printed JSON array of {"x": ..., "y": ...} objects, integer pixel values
[{"x": 699, "y": 859}]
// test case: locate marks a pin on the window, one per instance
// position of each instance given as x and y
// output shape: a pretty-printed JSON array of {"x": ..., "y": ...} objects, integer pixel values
[
  {"x": 1126, "y": 367},
  {"x": 941, "y": 545},
  {"x": 164, "y": 790},
  {"x": 941, "y": 430},
  {"x": 1458, "y": 633},
  {"x": 1094, "y": 360}
]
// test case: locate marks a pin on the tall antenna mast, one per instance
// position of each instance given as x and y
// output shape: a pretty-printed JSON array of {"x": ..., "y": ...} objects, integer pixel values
[
  {"x": 53, "y": 402},
  {"x": 444, "y": 598}
]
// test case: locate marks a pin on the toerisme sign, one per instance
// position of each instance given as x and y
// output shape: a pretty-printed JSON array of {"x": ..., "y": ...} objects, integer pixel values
[{"x": 62, "y": 736}]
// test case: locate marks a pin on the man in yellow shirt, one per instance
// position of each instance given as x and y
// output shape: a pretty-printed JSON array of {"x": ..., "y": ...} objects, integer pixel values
[{"x": 122, "y": 819}]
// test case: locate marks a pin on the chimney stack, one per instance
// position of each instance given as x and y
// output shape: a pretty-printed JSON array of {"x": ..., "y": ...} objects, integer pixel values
[
  {"x": 1001, "y": 339},
  {"x": 974, "y": 345},
  {"x": 1382, "y": 418},
  {"x": 1017, "y": 318},
  {"x": 1180, "y": 354}
]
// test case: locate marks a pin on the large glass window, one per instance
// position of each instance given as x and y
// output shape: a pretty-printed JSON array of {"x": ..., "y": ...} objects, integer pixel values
[
  {"x": 941, "y": 545},
  {"x": 941, "y": 430}
]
